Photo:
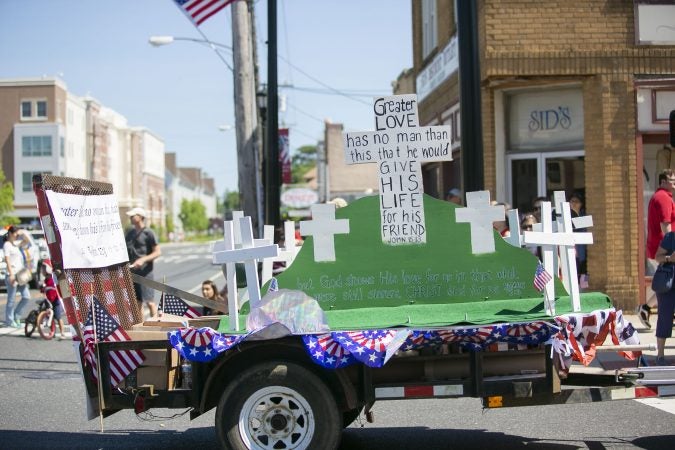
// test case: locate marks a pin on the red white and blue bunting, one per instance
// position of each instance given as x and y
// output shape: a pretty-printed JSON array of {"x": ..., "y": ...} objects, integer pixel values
[{"x": 573, "y": 337}]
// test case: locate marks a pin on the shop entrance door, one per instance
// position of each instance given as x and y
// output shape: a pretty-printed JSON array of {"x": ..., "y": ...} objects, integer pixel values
[{"x": 532, "y": 175}]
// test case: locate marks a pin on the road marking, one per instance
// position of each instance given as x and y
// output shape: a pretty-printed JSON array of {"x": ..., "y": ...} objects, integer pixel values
[{"x": 664, "y": 404}]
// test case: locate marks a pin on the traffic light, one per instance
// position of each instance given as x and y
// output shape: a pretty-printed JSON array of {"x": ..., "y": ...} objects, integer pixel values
[{"x": 672, "y": 128}]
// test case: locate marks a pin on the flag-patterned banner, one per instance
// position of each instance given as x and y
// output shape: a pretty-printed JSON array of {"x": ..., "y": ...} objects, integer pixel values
[
  {"x": 541, "y": 277},
  {"x": 581, "y": 333},
  {"x": 170, "y": 304},
  {"x": 198, "y": 11},
  {"x": 202, "y": 344},
  {"x": 122, "y": 362},
  {"x": 571, "y": 336}
]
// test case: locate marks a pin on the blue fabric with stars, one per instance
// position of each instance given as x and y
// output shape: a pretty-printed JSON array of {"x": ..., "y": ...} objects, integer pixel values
[{"x": 370, "y": 347}]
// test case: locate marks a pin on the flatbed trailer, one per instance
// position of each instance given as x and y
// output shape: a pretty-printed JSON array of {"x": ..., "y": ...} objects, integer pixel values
[{"x": 270, "y": 392}]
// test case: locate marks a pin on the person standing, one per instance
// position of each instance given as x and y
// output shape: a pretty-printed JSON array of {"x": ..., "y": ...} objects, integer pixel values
[
  {"x": 577, "y": 209},
  {"x": 660, "y": 219},
  {"x": 143, "y": 249},
  {"x": 666, "y": 301},
  {"x": 15, "y": 263}
]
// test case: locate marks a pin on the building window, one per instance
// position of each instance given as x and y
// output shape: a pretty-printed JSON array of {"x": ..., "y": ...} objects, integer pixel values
[
  {"x": 36, "y": 146},
  {"x": 62, "y": 147},
  {"x": 27, "y": 180},
  {"x": 429, "y": 38},
  {"x": 34, "y": 109},
  {"x": 26, "y": 110}
]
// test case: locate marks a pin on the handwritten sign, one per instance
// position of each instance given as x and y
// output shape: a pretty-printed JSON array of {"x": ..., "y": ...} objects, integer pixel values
[
  {"x": 90, "y": 228},
  {"x": 399, "y": 146}
]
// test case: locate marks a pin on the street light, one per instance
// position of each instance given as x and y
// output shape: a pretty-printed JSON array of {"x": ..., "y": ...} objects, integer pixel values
[{"x": 158, "y": 41}]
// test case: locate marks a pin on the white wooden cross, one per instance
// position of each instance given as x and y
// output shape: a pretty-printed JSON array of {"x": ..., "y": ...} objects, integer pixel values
[
  {"x": 323, "y": 227},
  {"x": 287, "y": 254},
  {"x": 514, "y": 238},
  {"x": 567, "y": 253},
  {"x": 480, "y": 215},
  {"x": 248, "y": 254},
  {"x": 544, "y": 238},
  {"x": 230, "y": 276},
  {"x": 399, "y": 145},
  {"x": 563, "y": 239}
]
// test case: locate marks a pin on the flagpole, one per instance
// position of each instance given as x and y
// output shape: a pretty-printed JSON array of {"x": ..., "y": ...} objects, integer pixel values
[
  {"x": 161, "y": 300},
  {"x": 98, "y": 363}
]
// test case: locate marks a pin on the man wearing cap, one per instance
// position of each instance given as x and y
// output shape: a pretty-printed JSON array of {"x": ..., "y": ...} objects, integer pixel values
[
  {"x": 143, "y": 250},
  {"x": 454, "y": 196}
]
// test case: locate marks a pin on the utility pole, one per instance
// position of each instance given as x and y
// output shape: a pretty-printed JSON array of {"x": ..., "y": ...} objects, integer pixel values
[
  {"x": 245, "y": 112},
  {"x": 469, "y": 96},
  {"x": 272, "y": 172}
]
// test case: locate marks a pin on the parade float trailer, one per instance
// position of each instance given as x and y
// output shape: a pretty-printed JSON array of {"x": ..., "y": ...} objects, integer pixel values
[{"x": 396, "y": 296}]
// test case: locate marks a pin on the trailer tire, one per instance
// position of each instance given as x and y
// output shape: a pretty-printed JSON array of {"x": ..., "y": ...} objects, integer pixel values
[{"x": 278, "y": 403}]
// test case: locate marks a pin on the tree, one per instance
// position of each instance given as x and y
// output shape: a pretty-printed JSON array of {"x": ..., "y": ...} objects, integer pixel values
[
  {"x": 303, "y": 160},
  {"x": 231, "y": 202},
  {"x": 193, "y": 215},
  {"x": 6, "y": 201}
]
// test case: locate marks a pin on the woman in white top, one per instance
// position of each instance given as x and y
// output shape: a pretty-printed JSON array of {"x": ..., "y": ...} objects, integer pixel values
[{"x": 15, "y": 262}]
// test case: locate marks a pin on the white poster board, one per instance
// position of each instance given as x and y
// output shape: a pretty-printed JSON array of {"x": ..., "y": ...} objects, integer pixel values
[{"x": 90, "y": 228}]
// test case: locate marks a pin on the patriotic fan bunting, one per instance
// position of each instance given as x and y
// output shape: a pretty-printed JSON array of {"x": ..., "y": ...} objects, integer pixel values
[
  {"x": 202, "y": 344},
  {"x": 326, "y": 352},
  {"x": 371, "y": 347},
  {"x": 572, "y": 336}
]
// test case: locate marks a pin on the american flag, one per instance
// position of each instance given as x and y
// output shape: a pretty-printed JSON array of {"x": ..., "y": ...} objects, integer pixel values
[
  {"x": 122, "y": 362},
  {"x": 541, "y": 277},
  {"x": 274, "y": 285},
  {"x": 200, "y": 10},
  {"x": 171, "y": 304}
]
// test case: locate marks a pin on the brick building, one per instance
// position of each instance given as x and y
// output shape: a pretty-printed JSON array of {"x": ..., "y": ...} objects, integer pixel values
[{"x": 575, "y": 96}]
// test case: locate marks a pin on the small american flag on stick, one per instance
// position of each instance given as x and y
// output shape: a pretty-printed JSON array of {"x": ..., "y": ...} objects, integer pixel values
[
  {"x": 176, "y": 306},
  {"x": 106, "y": 329},
  {"x": 541, "y": 277}
]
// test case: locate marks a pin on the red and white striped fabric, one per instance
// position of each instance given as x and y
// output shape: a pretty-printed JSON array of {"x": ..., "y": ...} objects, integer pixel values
[{"x": 102, "y": 327}]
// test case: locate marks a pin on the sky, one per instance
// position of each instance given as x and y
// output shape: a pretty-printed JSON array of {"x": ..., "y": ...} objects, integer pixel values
[{"x": 183, "y": 92}]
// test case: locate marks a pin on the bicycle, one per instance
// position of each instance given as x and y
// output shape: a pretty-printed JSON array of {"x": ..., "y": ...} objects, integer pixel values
[{"x": 41, "y": 318}]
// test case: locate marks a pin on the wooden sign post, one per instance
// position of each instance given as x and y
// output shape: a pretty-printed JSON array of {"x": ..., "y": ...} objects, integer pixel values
[{"x": 399, "y": 145}]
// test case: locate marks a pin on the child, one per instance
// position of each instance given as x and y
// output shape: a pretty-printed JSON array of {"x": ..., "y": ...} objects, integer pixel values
[{"x": 52, "y": 294}]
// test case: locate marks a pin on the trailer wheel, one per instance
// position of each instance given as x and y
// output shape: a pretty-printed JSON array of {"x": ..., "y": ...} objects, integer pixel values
[{"x": 278, "y": 405}]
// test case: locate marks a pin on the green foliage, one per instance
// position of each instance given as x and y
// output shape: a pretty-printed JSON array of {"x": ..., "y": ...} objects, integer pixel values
[
  {"x": 193, "y": 215},
  {"x": 231, "y": 202},
  {"x": 6, "y": 201},
  {"x": 303, "y": 160},
  {"x": 170, "y": 227}
]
